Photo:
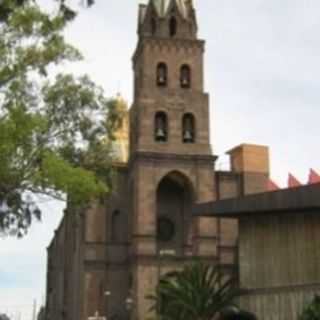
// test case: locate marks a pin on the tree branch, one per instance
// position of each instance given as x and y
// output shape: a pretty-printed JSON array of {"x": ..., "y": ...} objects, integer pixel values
[
  {"x": 49, "y": 193},
  {"x": 4, "y": 82}
]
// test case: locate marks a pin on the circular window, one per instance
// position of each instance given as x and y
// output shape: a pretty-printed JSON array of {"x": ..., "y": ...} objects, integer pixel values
[{"x": 165, "y": 229}]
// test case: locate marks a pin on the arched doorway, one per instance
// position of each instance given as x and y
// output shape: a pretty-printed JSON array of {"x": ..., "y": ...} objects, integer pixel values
[{"x": 174, "y": 220}]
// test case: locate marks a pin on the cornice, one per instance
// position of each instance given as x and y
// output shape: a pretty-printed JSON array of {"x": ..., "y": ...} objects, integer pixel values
[
  {"x": 170, "y": 157},
  {"x": 160, "y": 43}
]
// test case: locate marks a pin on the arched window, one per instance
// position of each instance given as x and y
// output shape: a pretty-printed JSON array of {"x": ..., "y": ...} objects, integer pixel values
[
  {"x": 162, "y": 74},
  {"x": 188, "y": 128},
  {"x": 173, "y": 26},
  {"x": 153, "y": 26},
  {"x": 116, "y": 234},
  {"x": 174, "y": 202},
  {"x": 161, "y": 127},
  {"x": 185, "y": 76}
]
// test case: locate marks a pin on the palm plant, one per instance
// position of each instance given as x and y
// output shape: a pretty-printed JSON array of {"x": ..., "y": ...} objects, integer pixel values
[
  {"x": 235, "y": 313},
  {"x": 312, "y": 310},
  {"x": 198, "y": 292}
]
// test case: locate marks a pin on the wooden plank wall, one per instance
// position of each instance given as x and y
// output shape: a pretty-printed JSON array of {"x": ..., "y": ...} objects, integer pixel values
[
  {"x": 278, "y": 306},
  {"x": 279, "y": 260}
]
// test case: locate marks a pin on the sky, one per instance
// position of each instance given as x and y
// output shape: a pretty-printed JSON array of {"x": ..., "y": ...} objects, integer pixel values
[{"x": 262, "y": 73}]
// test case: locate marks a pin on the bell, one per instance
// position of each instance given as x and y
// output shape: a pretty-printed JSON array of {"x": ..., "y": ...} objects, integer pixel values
[
  {"x": 160, "y": 134},
  {"x": 161, "y": 79},
  {"x": 188, "y": 137},
  {"x": 185, "y": 81}
]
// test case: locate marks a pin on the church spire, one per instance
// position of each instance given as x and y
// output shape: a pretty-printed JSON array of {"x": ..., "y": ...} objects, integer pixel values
[
  {"x": 159, "y": 17},
  {"x": 162, "y": 6}
]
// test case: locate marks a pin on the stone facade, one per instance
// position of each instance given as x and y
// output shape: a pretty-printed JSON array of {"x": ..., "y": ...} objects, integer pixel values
[{"x": 119, "y": 248}]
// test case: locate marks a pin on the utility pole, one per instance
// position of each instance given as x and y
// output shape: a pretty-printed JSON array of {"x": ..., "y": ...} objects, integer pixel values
[{"x": 34, "y": 313}]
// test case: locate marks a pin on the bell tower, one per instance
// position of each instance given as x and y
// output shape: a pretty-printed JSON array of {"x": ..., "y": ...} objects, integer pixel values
[
  {"x": 171, "y": 164},
  {"x": 170, "y": 112}
]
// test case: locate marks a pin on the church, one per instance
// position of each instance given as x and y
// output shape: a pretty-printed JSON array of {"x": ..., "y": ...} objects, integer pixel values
[{"x": 106, "y": 259}]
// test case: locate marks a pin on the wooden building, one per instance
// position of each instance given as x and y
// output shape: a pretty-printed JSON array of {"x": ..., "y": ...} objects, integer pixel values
[{"x": 279, "y": 252}]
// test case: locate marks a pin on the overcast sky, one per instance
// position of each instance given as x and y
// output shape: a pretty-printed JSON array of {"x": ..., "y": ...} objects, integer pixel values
[{"x": 262, "y": 72}]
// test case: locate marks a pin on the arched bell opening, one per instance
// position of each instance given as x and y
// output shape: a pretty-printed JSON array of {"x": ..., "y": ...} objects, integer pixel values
[
  {"x": 185, "y": 76},
  {"x": 174, "y": 220},
  {"x": 161, "y": 127},
  {"x": 188, "y": 128},
  {"x": 162, "y": 74}
]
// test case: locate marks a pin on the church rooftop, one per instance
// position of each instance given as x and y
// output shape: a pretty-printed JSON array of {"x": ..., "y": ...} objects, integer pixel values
[{"x": 162, "y": 7}]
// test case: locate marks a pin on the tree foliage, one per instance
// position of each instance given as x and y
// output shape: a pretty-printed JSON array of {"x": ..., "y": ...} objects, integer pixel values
[
  {"x": 7, "y": 7},
  {"x": 312, "y": 310},
  {"x": 55, "y": 129},
  {"x": 200, "y": 291}
]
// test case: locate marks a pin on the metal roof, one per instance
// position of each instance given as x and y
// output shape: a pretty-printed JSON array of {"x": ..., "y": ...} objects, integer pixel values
[{"x": 300, "y": 199}]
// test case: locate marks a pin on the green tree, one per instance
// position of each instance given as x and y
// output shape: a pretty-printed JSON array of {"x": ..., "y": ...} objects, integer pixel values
[
  {"x": 7, "y": 7},
  {"x": 55, "y": 129},
  {"x": 198, "y": 292},
  {"x": 312, "y": 310}
]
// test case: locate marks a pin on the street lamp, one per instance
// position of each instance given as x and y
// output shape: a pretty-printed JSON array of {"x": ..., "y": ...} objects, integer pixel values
[
  {"x": 129, "y": 302},
  {"x": 107, "y": 294},
  {"x": 97, "y": 315}
]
